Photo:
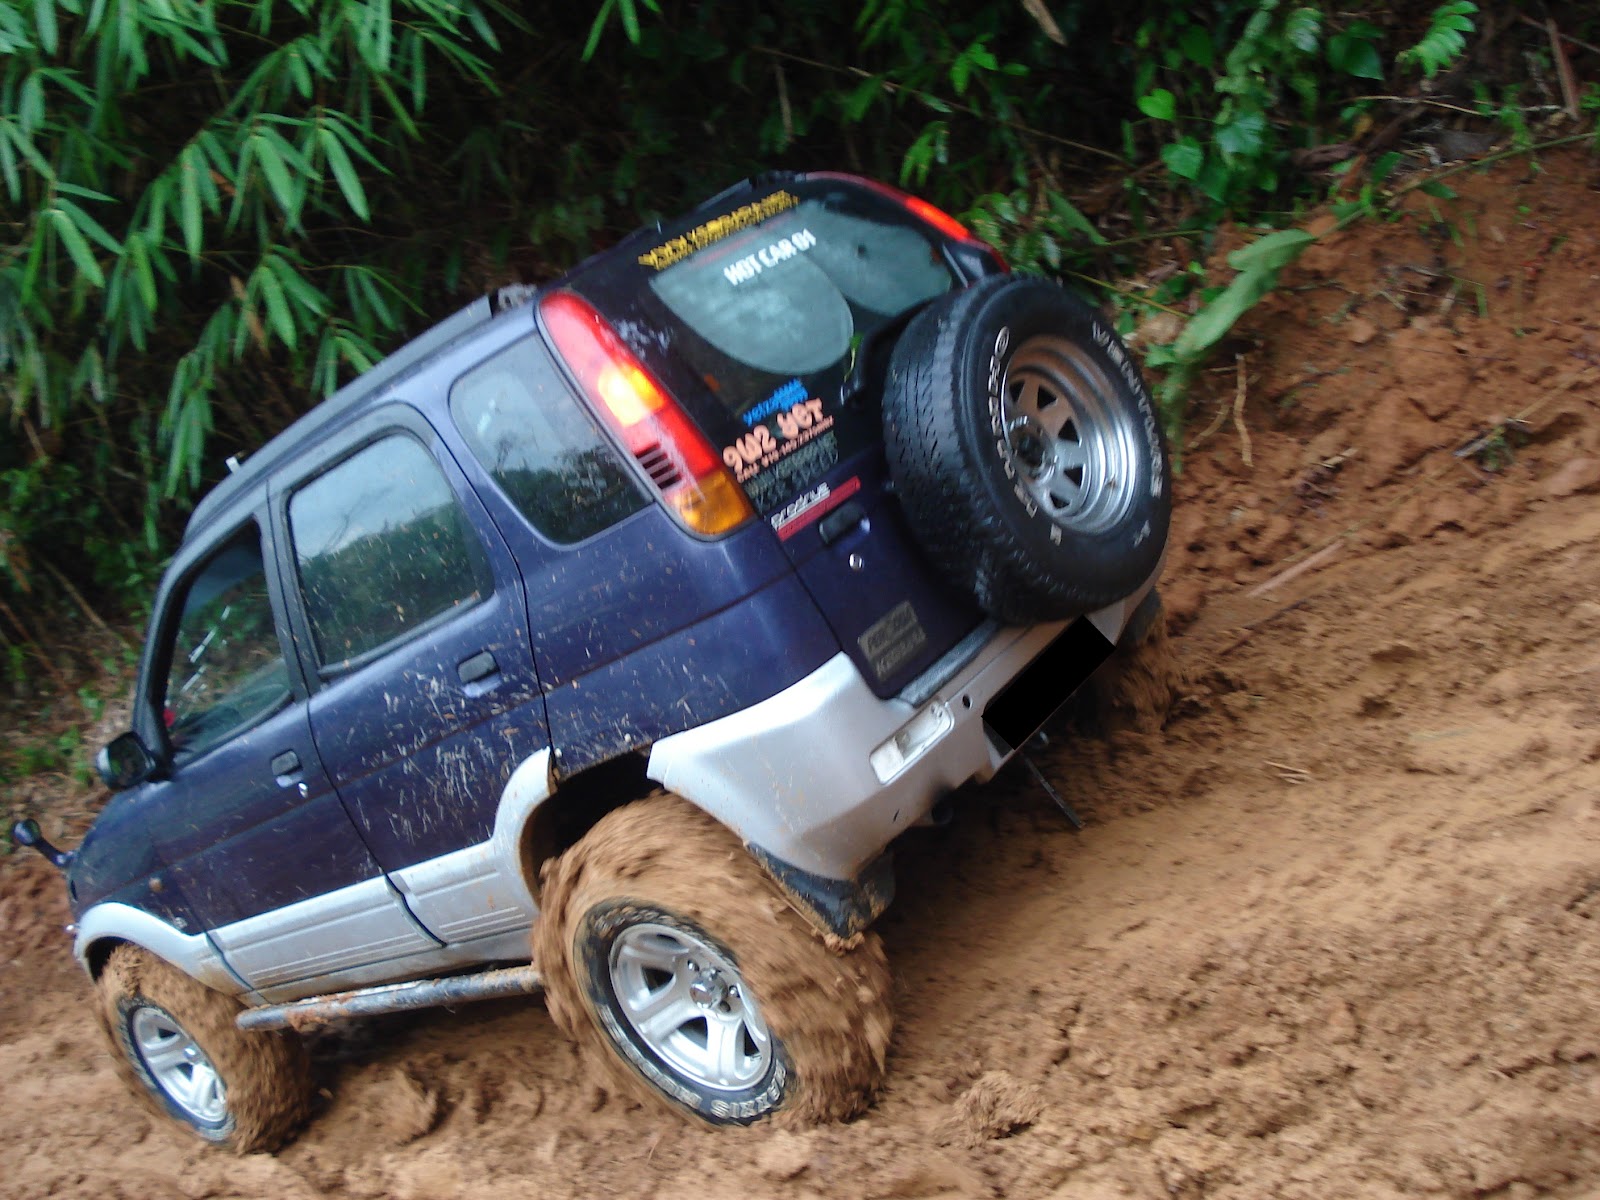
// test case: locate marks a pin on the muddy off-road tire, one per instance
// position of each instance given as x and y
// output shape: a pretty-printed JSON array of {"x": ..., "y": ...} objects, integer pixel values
[
  {"x": 1026, "y": 450},
  {"x": 176, "y": 1044},
  {"x": 669, "y": 955}
]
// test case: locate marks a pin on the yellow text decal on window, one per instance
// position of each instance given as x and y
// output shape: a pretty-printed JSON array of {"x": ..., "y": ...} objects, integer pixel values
[{"x": 714, "y": 230}]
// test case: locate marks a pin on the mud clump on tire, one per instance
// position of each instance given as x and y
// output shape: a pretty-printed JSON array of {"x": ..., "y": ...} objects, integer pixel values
[
  {"x": 828, "y": 1012},
  {"x": 267, "y": 1075}
]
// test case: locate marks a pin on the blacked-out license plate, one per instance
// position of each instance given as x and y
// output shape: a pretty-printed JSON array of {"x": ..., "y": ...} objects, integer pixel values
[{"x": 1020, "y": 708}]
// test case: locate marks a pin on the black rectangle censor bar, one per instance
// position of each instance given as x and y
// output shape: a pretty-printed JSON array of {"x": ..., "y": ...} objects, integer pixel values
[{"x": 1029, "y": 700}]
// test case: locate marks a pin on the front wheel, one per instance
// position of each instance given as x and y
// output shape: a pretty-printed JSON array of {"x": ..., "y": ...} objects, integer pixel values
[
  {"x": 177, "y": 1044},
  {"x": 665, "y": 950}
]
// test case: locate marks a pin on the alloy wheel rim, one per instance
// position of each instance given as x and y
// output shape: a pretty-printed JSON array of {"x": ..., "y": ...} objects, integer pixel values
[
  {"x": 687, "y": 1003},
  {"x": 179, "y": 1066},
  {"x": 1073, "y": 458}
]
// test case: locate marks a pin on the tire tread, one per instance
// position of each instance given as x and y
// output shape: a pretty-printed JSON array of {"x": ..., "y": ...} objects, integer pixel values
[{"x": 934, "y": 466}]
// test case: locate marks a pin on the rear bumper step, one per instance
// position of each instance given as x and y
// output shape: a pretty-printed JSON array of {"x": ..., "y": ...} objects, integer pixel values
[{"x": 392, "y": 998}]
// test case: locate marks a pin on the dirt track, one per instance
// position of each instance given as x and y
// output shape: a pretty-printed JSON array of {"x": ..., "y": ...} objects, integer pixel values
[{"x": 1333, "y": 928}]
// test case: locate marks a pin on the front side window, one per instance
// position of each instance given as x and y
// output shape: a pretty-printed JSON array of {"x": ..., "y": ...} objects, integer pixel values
[
  {"x": 227, "y": 668},
  {"x": 544, "y": 451},
  {"x": 382, "y": 547}
]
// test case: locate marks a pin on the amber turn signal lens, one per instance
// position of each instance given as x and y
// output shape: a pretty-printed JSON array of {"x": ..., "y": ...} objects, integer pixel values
[{"x": 681, "y": 464}]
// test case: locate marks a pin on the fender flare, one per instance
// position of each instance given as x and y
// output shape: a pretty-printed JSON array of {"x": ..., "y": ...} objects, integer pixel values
[
  {"x": 191, "y": 953},
  {"x": 530, "y": 785}
]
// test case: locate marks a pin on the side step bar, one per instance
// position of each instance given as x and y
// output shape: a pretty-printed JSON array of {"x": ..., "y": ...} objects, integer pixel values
[{"x": 392, "y": 998}]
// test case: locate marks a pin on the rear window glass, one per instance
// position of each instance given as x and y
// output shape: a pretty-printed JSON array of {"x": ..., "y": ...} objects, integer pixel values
[{"x": 778, "y": 315}]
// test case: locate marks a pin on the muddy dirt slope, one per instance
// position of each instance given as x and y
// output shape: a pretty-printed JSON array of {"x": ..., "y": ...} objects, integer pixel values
[{"x": 1333, "y": 928}]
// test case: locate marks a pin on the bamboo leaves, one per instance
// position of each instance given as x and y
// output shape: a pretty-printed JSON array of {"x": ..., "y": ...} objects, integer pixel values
[
  {"x": 153, "y": 151},
  {"x": 184, "y": 189},
  {"x": 330, "y": 139}
]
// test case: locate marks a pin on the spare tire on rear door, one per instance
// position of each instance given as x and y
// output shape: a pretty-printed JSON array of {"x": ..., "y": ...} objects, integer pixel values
[{"x": 1026, "y": 450}]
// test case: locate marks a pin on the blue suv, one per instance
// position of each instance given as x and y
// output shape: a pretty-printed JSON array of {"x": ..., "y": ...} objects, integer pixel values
[{"x": 601, "y": 641}]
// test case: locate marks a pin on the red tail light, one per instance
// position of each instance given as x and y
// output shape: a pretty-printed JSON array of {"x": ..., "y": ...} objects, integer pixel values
[
  {"x": 690, "y": 474},
  {"x": 938, "y": 218},
  {"x": 919, "y": 208}
]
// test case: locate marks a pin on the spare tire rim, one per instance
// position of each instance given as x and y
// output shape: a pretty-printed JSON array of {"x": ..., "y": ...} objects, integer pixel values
[
  {"x": 688, "y": 1004},
  {"x": 1063, "y": 439},
  {"x": 178, "y": 1065}
]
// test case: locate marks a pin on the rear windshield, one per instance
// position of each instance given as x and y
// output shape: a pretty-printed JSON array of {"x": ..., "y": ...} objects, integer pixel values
[{"x": 775, "y": 317}]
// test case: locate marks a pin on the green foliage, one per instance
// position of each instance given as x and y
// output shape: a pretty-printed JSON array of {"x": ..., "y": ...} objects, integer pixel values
[
  {"x": 181, "y": 181},
  {"x": 627, "y": 12},
  {"x": 1506, "y": 109},
  {"x": 1235, "y": 89},
  {"x": 1040, "y": 230},
  {"x": 1257, "y": 266},
  {"x": 60, "y": 753},
  {"x": 1445, "y": 40},
  {"x": 1354, "y": 51}
]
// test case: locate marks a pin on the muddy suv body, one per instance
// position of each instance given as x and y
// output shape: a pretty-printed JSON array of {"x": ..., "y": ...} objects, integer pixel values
[{"x": 799, "y": 508}]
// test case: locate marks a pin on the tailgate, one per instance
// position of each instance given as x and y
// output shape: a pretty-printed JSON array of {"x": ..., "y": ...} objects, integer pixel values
[
  {"x": 770, "y": 315},
  {"x": 892, "y": 614}
]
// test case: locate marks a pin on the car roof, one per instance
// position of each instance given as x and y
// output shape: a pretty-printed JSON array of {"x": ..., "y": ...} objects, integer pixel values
[{"x": 347, "y": 401}]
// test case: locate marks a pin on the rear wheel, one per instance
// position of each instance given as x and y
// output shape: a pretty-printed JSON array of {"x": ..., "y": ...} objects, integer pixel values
[
  {"x": 667, "y": 952},
  {"x": 177, "y": 1044},
  {"x": 1026, "y": 450}
]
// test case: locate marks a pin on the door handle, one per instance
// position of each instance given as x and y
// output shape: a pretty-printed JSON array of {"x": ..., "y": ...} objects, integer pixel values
[
  {"x": 286, "y": 770},
  {"x": 480, "y": 666},
  {"x": 841, "y": 521}
]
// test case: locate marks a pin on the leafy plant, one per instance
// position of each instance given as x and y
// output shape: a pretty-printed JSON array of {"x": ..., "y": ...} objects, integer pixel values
[
  {"x": 1506, "y": 110},
  {"x": 1039, "y": 229},
  {"x": 1257, "y": 266},
  {"x": 1225, "y": 141},
  {"x": 627, "y": 14},
  {"x": 1445, "y": 39},
  {"x": 202, "y": 236}
]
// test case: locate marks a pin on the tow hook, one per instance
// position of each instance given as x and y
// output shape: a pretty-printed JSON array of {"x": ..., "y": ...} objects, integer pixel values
[{"x": 26, "y": 833}]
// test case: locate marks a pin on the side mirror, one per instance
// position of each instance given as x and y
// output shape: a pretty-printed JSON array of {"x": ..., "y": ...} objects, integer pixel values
[
  {"x": 26, "y": 833},
  {"x": 124, "y": 762}
]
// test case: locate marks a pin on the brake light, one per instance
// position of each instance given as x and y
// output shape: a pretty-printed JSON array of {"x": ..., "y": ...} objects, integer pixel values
[
  {"x": 916, "y": 206},
  {"x": 690, "y": 475},
  {"x": 937, "y": 217}
]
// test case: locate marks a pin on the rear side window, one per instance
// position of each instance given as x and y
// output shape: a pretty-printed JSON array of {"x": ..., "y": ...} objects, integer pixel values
[
  {"x": 226, "y": 666},
  {"x": 548, "y": 456},
  {"x": 382, "y": 548}
]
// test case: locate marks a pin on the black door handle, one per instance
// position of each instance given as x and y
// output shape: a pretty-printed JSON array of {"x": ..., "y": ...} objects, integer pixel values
[
  {"x": 286, "y": 763},
  {"x": 480, "y": 666},
  {"x": 840, "y": 521}
]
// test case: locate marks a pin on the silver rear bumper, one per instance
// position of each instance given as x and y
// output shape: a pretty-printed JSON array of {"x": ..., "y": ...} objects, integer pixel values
[{"x": 805, "y": 776}]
